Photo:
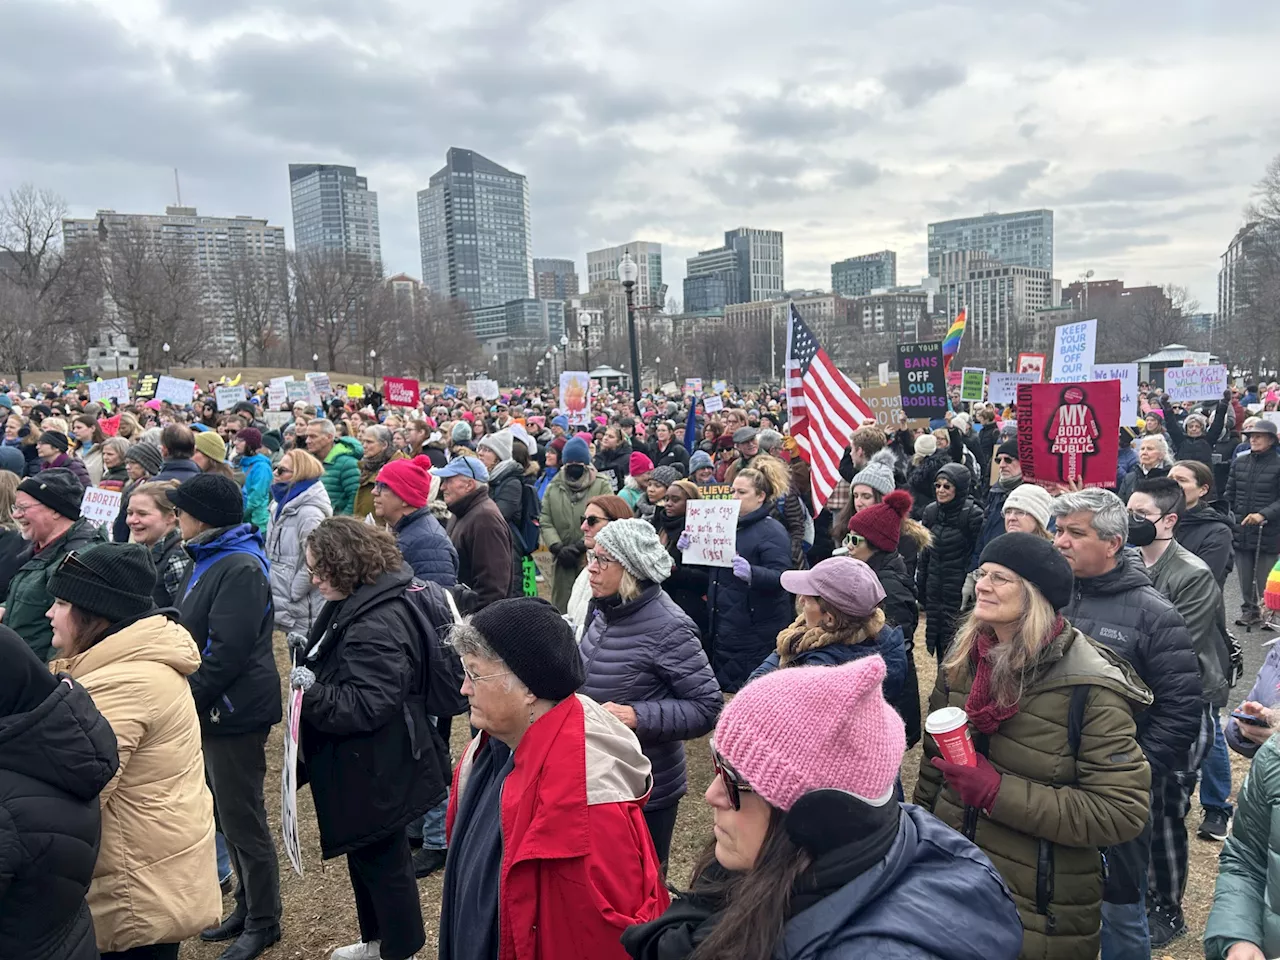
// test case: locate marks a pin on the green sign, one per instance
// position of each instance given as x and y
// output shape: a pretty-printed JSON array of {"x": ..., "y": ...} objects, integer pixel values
[
  {"x": 78, "y": 373},
  {"x": 971, "y": 383}
]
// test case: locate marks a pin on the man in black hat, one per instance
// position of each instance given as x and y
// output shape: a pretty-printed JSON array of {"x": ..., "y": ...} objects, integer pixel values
[
  {"x": 1253, "y": 493},
  {"x": 225, "y": 602},
  {"x": 1008, "y": 478}
]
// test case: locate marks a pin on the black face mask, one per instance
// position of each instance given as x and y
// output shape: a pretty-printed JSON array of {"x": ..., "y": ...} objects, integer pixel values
[
  {"x": 1142, "y": 532},
  {"x": 575, "y": 471}
]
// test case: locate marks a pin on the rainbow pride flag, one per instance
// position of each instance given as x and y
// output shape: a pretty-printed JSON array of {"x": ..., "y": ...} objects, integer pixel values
[
  {"x": 951, "y": 342},
  {"x": 1272, "y": 596}
]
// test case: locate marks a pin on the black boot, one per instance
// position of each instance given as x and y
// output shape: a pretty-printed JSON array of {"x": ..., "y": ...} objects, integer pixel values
[
  {"x": 228, "y": 929},
  {"x": 252, "y": 943}
]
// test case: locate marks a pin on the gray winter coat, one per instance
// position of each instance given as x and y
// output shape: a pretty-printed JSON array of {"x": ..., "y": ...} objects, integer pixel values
[
  {"x": 297, "y": 601},
  {"x": 645, "y": 654}
]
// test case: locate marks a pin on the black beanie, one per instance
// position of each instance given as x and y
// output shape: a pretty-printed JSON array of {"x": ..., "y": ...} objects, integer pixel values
[
  {"x": 55, "y": 439},
  {"x": 1035, "y": 560},
  {"x": 211, "y": 498},
  {"x": 58, "y": 489},
  {"x": 111, "y": 580},
  {"x": 1008, "y": 449},
  {"x": 534, "y": 640}
]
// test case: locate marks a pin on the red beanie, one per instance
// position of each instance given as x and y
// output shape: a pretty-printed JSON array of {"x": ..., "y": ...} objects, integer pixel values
[
  {"x": 410, "y": 480},
  {"x": 881, "y": 523},
  {"x": 639, "y": 464}
]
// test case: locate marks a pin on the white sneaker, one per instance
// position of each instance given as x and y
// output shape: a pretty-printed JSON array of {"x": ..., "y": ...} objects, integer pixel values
[{"x": 358, "y": 951}]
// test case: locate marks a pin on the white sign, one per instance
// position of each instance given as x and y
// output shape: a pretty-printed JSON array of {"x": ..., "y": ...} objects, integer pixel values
[
  {"x": 175, "y": 391},
  {"x": 1198, "y": 382},
  {"x": 1074, "y": 345},
  {"x": 693, "y": 385},
  {"x": 279, "y": 381},
  {"x": 484, "y": 389},
  {"x": 277, "y": 396},
  {"x": 884, "y": 373},
  {"x": 1273, "y": 416},
  {"x": 295, "y": 390},
  {"x": 1002, "y": 388},
  {"x": 117, "y": 388},
  {"x": 289, "y": 785},
  {"x": 712, "y": 528},
  {"x": 1127, "y": 374},
  {"x": 320, "y": 383},
  {"x": 100, "y": 506},
  {"x": 712, "y": 404},
  {"x": 228, "y": 397}
]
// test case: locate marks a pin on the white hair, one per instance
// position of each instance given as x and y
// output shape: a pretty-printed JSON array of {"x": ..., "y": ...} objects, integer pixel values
[{"x": 1165, "y": 458}]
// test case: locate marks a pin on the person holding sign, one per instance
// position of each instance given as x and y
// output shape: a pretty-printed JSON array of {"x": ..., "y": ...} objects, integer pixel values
[
  {"x": 1195, "y": 438},
  {"x": 687, "y": 585}
]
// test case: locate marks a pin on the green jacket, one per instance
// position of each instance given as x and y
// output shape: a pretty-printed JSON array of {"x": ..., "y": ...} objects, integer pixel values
[
  {"x": 1054, "y": 809},
  {"x": 342, "y": 474},
  {"x": 29, "y": 599},
  {"x": 1245, "y": 901},
  {"x": 562, "y": 511}
]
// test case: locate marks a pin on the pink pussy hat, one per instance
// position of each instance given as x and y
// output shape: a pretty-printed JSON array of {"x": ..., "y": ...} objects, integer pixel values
[{"x": 801, "y": 729}]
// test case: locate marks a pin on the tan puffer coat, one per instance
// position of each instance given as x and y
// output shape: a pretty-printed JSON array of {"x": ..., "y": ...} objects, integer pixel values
[
  {"x": 1055, "y": 809},
  {"x": 156, "y": 880}
]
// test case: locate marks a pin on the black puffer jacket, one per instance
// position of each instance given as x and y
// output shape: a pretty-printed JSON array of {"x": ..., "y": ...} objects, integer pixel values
[
  {"x": 1207, "y": 530},
  {"x": 57, "y": 752},
  {"x": 615, "y": 462},
  {"x": 1136, "y": 476},
  {"x": 1122, "y": 610},
  {"x": 920, "y": 477},
  {"x": 674, "y": 456},
  {"x": 940, "y": 573},
  {"x": 1253, "y": 486},
  {"x": 1195, "y": 448},
  {"x": 373, "y": 760},
  {"x": 901, "y": 609},
  {"x": 687, "y": 585}
]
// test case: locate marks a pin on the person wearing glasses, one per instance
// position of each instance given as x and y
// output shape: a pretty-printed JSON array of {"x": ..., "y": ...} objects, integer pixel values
[
  {"x": 1058, "y": 771},
  {"x": 687, "y": 585},
  {"x": 598, "y": 512},
  {"x": 299, "y": 502},
  {"x": 869, "y": 486},
  {"x": 575, "y": 485},
  {"x": 155, "y": 883},
  {"x": 812, "y": 855},
  {"x": 1007, "y": 479},
  {"x": 549, "y": 854},
  {"x": 955, "y": 523},
  {"x": 479, "y": 532}
]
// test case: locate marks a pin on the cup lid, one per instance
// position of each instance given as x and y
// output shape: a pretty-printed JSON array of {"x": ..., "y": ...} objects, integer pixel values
[{"x": 945, "y": 720}]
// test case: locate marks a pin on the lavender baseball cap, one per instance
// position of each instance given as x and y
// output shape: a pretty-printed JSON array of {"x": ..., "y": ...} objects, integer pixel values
[{"x": 847, "y": 584}]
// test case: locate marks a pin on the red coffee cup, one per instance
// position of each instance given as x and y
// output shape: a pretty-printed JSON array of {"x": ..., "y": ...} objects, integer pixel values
[{"x": 949, "y": 728}]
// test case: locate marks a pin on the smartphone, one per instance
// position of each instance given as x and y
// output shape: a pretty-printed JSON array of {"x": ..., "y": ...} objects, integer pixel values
[{"x": 1248, "y": 718}]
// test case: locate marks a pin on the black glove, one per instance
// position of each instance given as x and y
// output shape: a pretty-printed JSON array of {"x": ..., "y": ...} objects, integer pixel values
[
  {"x": 555, "y": 547},
  {"x": 570, "y": 554}
]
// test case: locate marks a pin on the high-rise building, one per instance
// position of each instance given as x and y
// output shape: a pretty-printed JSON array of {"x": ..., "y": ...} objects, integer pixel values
[
  {"x": 528, "y": 318},
  {"x": 1253, "y": 244},
  {"x": 1000, "y": 298},
  {"x": 750, "y": 265},
  {"x": 222, "y": 249},
  {"x": 858, "y": 276},
  {"x": 335, "y": 211},
  {"x": 650, "y": 291},
  {"x": 1023, "y": 239},
  {"x": 474, "y": 231},
  {"x": 554, "y": 279}
]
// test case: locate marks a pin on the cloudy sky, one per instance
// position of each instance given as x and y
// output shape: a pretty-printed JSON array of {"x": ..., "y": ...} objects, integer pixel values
[{"x": 849, "y": 124}]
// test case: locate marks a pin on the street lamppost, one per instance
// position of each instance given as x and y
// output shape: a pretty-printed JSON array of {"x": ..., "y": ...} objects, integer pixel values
[
  {"x": 373, "y": 362},
  {"x": 564, "y": 353},
  {"x": 550, "y": 357},
  {"x": 629, "y": 273},
  {"x": 165, "y": 348},
  {"x": 1085, "y": 278},
  {"x": 315, "y": 362},
  {"x": 584, "y": 325},
  {"x": 657, "y": 373}
]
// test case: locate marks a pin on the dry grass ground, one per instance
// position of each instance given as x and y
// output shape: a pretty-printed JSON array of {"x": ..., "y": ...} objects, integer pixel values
[
  {"x": 251, "y": 375},
  {"x": 319, "y": 914}
]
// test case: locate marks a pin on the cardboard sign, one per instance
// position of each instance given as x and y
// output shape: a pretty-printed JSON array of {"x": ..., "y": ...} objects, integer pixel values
[
  {"x": 100, "y": 506},
  {"x": 1031, "y": 363},
  {"x": 1074, "y": 345},
  {"x": 712, "y": 403},
  {"x": 401, "y": 391},
  {"x": 1069, "y": 431},
  {"x": 289, "y": 784},
  {"x": 295, "y": 390},
  {"x": 117, "y": 388},
  {"x": 886, "y": 404},
  {"x": 884, "y": 373},
  {"x": 1003, "y": 388},
  {"x": 972, "y": 382},
  {"x": 1127, "y": 374},
  {"x": 146, "y": 386},
  {"x": 670, "y": 389},
  {"x": 175, "y": 391},
  {"x": 320, "y": 384},
  {"x": 1196, "y": 382},
  {"x": 228, "y": 397},
  {"x": 921, "y": 379},
  {"x": 712, "y": 529},
  {"x": 277, "y": 396},
  {"x": 575, "y": 397},
  {"x": 719, "y": 386},
  {"x": 693, "y": 385}
]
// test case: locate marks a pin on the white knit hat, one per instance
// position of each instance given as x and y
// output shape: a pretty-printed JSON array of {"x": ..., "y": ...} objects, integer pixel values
[
  {"x": 635, "y": 544},
  {"x": 1031, "y": 499},
  {"x": 926, "y": 445},
  {"x": 499, "y": 443}
]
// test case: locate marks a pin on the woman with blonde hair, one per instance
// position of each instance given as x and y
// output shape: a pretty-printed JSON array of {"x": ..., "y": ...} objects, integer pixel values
[
  {"x": 88, "y": 436},
  {"x": 12, "y": 545},
  {"x": 129, "y": 426},
  {"x": 299, "y": 503}
]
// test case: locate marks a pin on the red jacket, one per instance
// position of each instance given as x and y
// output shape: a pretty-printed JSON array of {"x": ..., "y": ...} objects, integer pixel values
[{"x": 578, "y": 865}]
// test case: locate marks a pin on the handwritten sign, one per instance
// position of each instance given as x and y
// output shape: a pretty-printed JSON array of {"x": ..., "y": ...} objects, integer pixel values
[
  {"x": 484, "y": 389},
  {"x": 100, "y": 506},
  {"x": 279, "y": 381},
  {"x": 228, "y": 397},
  {"x": 295, "y": 390},
  {"x": 277, "y": 419},
  {"x": 401, "y": 391},
  {"x": 971, "y": 384},
  {"x": 289, "y": 785},
  {"x": 277, "y": 396},
  {"x": 117, "y": 388},
  {"x": 175, "y": 391},
  {"x": 1074, "y": 345},
  {"x": 712, "y": 403},
  {"x": 693, "y": 385},
  {"x": 1197, "y": 382},
  {"x": 719, "y": 386},
  {"x": 921, "y": 379},
  {"x": 712, "y": 528},
  {"x": 886, "y": 404},
  {"x": 1127, "y": 374},
  {"x": 320, "y": 384},
  {"x": 1003, "y": 388}
]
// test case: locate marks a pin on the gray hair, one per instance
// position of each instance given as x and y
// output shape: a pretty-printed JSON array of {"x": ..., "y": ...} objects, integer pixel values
[
  {"x": 467, "y": 641},
  {"x": 1110, "y": 515},
  {"x": 769, "y": 440},
  {"x": 119, "y": 444},
  {"x": 380, "y": 434},
  {"x": 1165, "y": 458},
  {"x": 327, "y": 426}
]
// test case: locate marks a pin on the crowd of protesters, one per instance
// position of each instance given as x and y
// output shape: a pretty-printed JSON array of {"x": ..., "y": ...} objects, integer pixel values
[{"x": 387, "y": 556}]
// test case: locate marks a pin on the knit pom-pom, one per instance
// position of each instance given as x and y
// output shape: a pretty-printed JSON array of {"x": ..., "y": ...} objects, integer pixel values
[{"x": 899, "y": 501}]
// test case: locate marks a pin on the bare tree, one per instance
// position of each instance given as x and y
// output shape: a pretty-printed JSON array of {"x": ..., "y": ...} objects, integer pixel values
[
  {"x": 20, "y": 339},
  {"x": 437, "y": 335},
  {"x": 327, "y": 291},
  {"x": 255, "y": 293}
]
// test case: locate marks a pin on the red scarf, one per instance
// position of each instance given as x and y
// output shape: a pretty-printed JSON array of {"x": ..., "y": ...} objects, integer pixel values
[{"x": 984, "y": 713}]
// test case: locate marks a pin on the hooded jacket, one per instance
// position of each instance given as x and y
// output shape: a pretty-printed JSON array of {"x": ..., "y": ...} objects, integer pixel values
[
  {"x": 1253, "y": 486},
  {"x": 562, "y": 510},
  {"x": 295, "y": 598},
  {"x": 1195, "y": 448},
  {"x": 1206, "y": 530},
  {"x": 616, "y": 462},
  {"x": 426, "y": 548},
  {"x": 1055, "y": 806},
  {"x": 483, "y": 541},
  {"x": 646, "y": 654},
  {"x": 155, "y": 880},
  {"x": 956, "y": 527},
  {"x": 342, "y": 474},
  {"x": 257, "y": 489},
  {"x": 225, "y": 603},
  {"x": 578, "y": 866}
]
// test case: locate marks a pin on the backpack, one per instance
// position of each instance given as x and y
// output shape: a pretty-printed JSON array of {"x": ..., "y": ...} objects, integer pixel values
[
  {"x": 437, "y": 612},
  {"x": 526, "y": 534}
]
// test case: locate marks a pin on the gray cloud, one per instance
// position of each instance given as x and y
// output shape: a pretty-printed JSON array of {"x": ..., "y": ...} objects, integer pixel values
[
  {"x": 1010, "y": 183},
  {"x": 1131, "y": 185},
  {"x": 915, "y": 85}
]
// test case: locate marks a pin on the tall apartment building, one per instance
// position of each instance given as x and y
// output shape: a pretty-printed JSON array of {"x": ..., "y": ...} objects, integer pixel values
[
  {"x": 555, "y": 279},
  {"x": 335, "y": 211},
  {"x": 1023, "y": 239},
  {"x": 216, "y": 245},
  {"x": 650, "y": 291},
  {"x": 748, "y": 268},
  {"x": 999, "y": 297},
  {"x": 1237, "y": 276},
  {"x": 528, "y": 319},
  {"x": 899, "y": 314},
  {"x": 474, "y": 231},
  {"x": 858, "y": 276}
]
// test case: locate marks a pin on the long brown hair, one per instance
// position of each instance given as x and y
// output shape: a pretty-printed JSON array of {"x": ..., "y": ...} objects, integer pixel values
[{"x": 90, "y": 628}]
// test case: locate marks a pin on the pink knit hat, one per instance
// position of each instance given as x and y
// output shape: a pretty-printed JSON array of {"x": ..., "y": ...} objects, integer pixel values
[{"x": 801, "y": 729}]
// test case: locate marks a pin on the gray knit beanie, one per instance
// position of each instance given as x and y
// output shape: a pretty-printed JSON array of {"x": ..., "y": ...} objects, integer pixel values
[
  {"x": 699, "y": 460},
  {"x": 461, "y": 432},
  {"x": 877, "y": 474},
  {"x": 635, "y": 544},
  {"x": 665, "y": 476}
]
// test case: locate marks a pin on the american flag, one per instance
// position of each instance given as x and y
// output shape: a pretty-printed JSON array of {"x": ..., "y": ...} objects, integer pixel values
[{"x": 823, "y": 406}]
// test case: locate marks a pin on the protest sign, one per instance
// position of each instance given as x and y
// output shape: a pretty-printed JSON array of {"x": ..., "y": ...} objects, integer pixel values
[
  {"x": 449, "y": 390},
  {"x": 146, "y": 386},
  {"x": 1127, "y": 374},
  {"x": 719, "y": 386},
  {"x": 921, "y": 380},
  {"x": 1031, "y": 363},
  {"x": 100, "y": 506},
  {"x": 277, "y": 396},
  {"x": 886, "y": 404},
  {"x": 279, "y": 381},
  {"x": 693, "y": 385},
  {"x": 277, "y": 419},
  {"x": 712, "y": 403},
  {"x": 175, "y": 391},
  {"x": 295, "y": 390},
  {"x": 670, "y": 389},
  {"x": 884, "y": 373},
  {"x": 320, "y": 383},
  {"x": 289, "y": 784},
  {"x": 1073, "y": 348},
  {"x": 355, "y": 391},
  {"x": 1273, "y": 416},
  {"x": 483, "y": 389},
  {"x": 1003, "y": 388},
  {"x": 972, "y": 382},
  {"x": 1196, "y": 382},
  {"x": 77, "y": 373},
  {"x": 117, "y": 388},
  {"x": 575, "y": 397},
  {"x": 712, "y": 529},
  {"x": 228, "y": 397},
  {"x": 713, "y": 491},
  {"x": 1069, "y": 431},
  {"x": 401, "y": 391}
]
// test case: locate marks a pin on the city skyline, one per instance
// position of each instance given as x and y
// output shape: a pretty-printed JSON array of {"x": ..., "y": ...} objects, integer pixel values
[{"x": 1145, "y": 138}]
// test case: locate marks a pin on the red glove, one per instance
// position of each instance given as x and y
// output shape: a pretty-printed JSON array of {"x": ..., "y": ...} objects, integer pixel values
[{"x": 977, "y": 786}]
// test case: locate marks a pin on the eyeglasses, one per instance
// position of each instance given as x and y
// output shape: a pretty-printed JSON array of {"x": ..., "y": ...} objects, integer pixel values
[
  {"x": 997, "y": 579},
  {"x": 1005, "y": 459},
  {"x": 20, "y": 508},
  {"x": 943, "y": 485},
  {"x": 595, "y": 559},
  {"x": 734, "y": 785},
  {"x": 492, "y": 676},
  {"x": 594, "y": 522},
  {"x": 379, "y": 488}
]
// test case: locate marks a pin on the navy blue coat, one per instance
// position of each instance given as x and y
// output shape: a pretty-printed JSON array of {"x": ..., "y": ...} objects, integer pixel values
[
  {"x": 888, "y": 643},
  {"x": 744, "y": 619},
  {"x": 427, "y": 548},
  {"x": 645, "y": 654}
]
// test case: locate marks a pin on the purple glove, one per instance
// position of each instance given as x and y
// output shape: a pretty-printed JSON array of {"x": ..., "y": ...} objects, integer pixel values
[
  {"x": 683, "y": 543},
  {"x": 741, "y": 568}
]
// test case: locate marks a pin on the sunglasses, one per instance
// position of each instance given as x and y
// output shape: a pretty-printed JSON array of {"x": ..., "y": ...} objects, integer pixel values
[
  {"x": 734, "y": 785},
  {"x": 594, "y": 521},
  {"x": 1005, "y": 459},
  {"x": 942, "y": 485},
  {"x": 853, "y": 541},
  {"x": 281, "y": 471}
]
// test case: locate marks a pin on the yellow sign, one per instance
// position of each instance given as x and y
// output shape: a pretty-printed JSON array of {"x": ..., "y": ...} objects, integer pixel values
[{"x": 355, "y": 391}]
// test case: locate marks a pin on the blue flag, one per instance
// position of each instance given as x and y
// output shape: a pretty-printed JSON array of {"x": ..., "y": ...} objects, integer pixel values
[{"x": 691, "y": 427}]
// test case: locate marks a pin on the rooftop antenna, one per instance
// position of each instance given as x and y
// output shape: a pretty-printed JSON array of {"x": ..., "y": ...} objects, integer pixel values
[{"x": 177, "y": 185}]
